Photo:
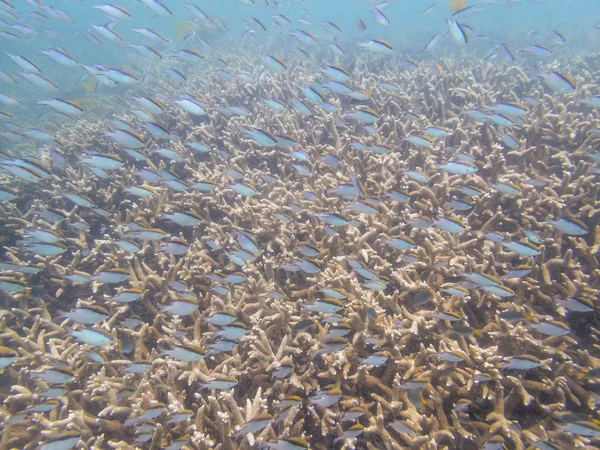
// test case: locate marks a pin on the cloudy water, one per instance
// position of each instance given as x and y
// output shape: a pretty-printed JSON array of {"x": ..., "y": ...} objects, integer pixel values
[{"x": 298, "y": 224}]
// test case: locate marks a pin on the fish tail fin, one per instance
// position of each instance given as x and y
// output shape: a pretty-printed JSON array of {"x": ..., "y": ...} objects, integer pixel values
[{"x": 423, "y": 399}]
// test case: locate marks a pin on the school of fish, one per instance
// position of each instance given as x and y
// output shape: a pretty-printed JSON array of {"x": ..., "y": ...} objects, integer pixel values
[{"x": 295, "y": 236}]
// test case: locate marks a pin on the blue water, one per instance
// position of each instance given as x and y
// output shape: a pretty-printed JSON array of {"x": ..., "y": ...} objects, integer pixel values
[{"x": 408, "y": 31}]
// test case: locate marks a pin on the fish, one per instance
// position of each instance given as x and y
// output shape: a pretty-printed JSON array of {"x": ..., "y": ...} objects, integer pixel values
[
  {"x": 483, "y": 280},
  {"x": 447, "y": 315},
  {"x": 333, "y": 345},
  {"x": 44, "y": 249},
  {"x": 138, "y": 367},
  {"x": 522, "y": 362},
  {"x": 205, "y": 186},
  {"x": 376, "y": 359},
  {"x": 151, "y": 35},
  {"x": 518, "y": 272},
  {"x": 402, "y": 426},
  {"x": 128, "y": 245},
  {"x": 219, "y": 383},
  {"x": 360, "y": 24},
  {"x": 55, "y": 375},
  {"x": 181, "y": 416},
  {"x": 332, "y": 219},
  {"x": 274, "y": 63},
  {"x": 576, "y": 304},
  {"x": 366, "y": 115},
  {"x": 42, "y": 235},
  {"x": 336, "y": 73},
  {"x": 40, "y": 81},
  {"x": 436, "y": 131},
  {"x": 352, "y": 432},
  {"x": 454, "y": 357},
  {"x": 401, "y": 243},
  {"x": 235, "y": 278},
  {"x": 377, "y": 46},
  {"x": 510, "y": 109},
  {"x": 24, "y": 63},
  {"x": 507, "y": 188},
  {"x": 380, "y": 17},
  {"x": 146, "y": 234},
  {"x": 114, "y": 12},
  {"x": 458, "y": 31},
  {"x": 581, "y": 428},
  {"x": 327, "y": 305},
  {"x": 184, "y": 219},
  {"x": 61, "y": 56},
  {"x": 185, "y": 353},
  {"x": 460, "y": 205},
  {"x": 102, "y": 161},
  {"x": 292, "y": 443},
  {"x": 522, "y": 248},
  {"x": 87, "y": 315},
  {"x": 95, "y": 337},
  {"x": 514, "y": 316},
  {"x": 255, "y": 424},
  {"x": 221, "y": 319},
  {"x": 107, "y": 32},
  {"x": 157, "y": 7},
  {"x": 232, "y": 332},
  {"x": 327, "y": 397},
  {"x": 331, "y": 26},
  {"x": 558, "y": 82},
  {"x": 571, "y": 227},
  {"x": 398, "y": 196},
  {"x": 283, "y": 371},
  {"x": 593, "y": 102},
  {"x": 140, "y": 191},
  {"x": 244, "y": 189},
  {"x": 510, "y": 141},
  {"x": 363, "y": 207},
  {"x": 551, "y": 328},
  {"x": 502, "y": 120},
  {"x": 421, "y": 222},
  {"x": 61, "y": 441},
  {"x": 414, "y": 384},
  {"x": 126, "y": 138},
  {"x": 435, "y": 39},
  {"x": 151, "y": 413},
  {"x": 182, "y": 306},
  {"x": 499, "y": 290},
  {"x": 199, "y": 147},
  {"x": 193, "y": 106},
  {"x": 260, "y": 136},
  {"x": 557, "y": 36},
  {"x": 66, "y": 107},
  {"x": 7, "y": 356},
  {"x": 450, "y": 224},
  {"x": 420, "y": 140},
  {"x": 112, "y": 276}
]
